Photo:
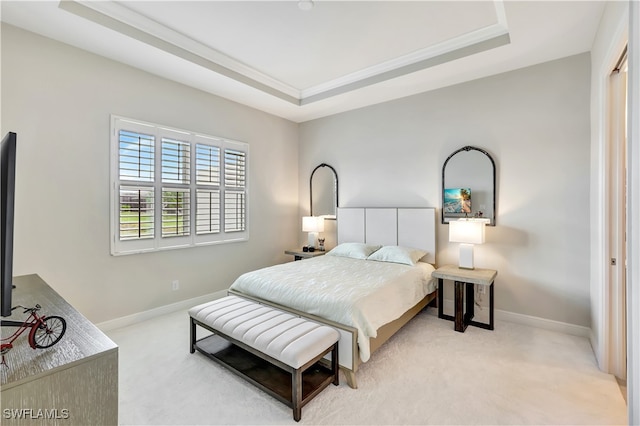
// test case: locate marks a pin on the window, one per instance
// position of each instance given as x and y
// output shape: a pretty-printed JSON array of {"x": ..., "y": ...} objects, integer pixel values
[{"x": 173, "y": 188}]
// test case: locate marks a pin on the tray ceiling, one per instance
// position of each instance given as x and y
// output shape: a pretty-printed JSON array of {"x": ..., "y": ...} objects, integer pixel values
[{"x": 305, "y": 64}]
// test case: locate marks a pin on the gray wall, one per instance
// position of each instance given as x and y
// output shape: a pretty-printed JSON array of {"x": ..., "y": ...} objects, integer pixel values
[
  {"x": 535, "y": 123},
  {"x": 58, "y": 99}
]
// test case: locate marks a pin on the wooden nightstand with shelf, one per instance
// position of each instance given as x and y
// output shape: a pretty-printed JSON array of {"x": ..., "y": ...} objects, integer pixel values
[
  {"x": 299, "y": 254},
  {"x": 464, "y": 280}
]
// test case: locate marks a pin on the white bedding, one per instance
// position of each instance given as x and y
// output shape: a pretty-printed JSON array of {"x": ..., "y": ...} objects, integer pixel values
[{"x": 364, "y": 294}]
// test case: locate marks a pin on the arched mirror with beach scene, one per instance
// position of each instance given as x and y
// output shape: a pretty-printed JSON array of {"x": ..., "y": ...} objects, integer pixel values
[
  {"x": 469, "y": 185},
  {"x": 323, "y": 191}
]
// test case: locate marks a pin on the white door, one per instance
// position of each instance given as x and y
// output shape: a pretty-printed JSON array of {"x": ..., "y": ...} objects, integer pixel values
[{"x": 617, "y": 220}]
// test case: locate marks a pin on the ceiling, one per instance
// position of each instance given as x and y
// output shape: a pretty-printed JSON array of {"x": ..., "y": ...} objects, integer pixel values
[{"x": 305, "y": 64}]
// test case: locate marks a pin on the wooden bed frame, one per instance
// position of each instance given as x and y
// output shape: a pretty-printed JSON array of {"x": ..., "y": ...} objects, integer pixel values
[{"x": 409, "y": 227}]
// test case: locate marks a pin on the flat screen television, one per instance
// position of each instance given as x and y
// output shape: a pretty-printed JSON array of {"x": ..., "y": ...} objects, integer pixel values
[{"x": 7, "y": 197}]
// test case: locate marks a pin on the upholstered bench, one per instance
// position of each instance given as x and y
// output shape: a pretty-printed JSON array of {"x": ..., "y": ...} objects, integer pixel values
[{"x": 277, "y": 351}]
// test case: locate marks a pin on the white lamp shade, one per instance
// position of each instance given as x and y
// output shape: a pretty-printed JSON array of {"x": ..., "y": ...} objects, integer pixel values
[
  {"x": 312, "y": 224},
  {"x": 466, "y": 231}
]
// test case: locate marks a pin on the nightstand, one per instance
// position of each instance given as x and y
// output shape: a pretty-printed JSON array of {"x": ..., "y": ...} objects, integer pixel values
[
  {"x": 299, "y": 254},
  {"x": 464, "y": 280}
]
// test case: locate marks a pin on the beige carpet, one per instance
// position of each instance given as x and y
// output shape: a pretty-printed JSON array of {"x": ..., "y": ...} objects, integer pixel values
[{"x": 426, "y": 374}]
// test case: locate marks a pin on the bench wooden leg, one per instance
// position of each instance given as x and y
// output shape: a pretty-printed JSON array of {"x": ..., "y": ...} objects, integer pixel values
[
  {"x": 334, "y": 364},
  {"x": 296, "y": 397},
  {"x": 192, "y": 346}
]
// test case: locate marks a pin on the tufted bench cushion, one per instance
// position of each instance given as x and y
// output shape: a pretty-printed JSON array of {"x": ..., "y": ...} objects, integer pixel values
[
  {"x": 283, "y": 339},
  {"x": 281, "y": 335}
]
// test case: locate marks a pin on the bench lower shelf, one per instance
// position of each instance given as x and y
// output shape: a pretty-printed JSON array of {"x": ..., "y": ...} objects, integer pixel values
[{"x": 266, "y": 376}]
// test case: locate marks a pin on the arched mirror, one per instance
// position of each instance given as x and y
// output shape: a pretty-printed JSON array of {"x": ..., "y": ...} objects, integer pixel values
[
  {"x": 469, "y": 185},
  {"x": 323, "y": 191}
]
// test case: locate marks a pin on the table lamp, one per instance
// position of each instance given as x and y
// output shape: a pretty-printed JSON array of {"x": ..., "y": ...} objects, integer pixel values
[
  {"x": 467, "y": 232},
  {"x": 312, "y": 225}
]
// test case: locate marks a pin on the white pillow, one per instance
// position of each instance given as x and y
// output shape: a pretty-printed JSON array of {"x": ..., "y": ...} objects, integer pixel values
[
  {"x": 354, "y": 250},
  {"x": 398, "y": 254}
]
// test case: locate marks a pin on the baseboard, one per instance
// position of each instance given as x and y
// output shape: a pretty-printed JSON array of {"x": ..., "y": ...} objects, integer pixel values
[
  {"x": 156, "y": 312},
  {"x": 543, "y": 323},
  {"x": 546, "y": 324}
]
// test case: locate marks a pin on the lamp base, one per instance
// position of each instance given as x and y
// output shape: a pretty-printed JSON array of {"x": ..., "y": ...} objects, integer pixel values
[
  {"x": 313, "y": 239},
  {"x": 466, "y": 256}
]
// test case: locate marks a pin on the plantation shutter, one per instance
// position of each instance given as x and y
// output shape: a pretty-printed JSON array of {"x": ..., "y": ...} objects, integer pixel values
[
  {"x": 176, "y": 202},
  {"x": 208, "y": 211},
  {"x": 234, "y": 194},
  {"x": 137, "y": 156},
  {"x": 173, "y": 188},
  {"x": 176, "y": 212},
  {"x": 176, "y": 161},
  {"x": 136, "y": 166},
  {"x": 207, "y": 189},
  {"x": 136, "y": 213}
]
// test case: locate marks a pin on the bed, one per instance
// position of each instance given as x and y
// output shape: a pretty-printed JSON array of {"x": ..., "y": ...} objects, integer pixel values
[{"x": 368, "y": 287}]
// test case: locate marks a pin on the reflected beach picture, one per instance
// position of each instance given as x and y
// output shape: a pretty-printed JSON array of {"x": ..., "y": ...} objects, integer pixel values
[{"x": 457, "y": 200}]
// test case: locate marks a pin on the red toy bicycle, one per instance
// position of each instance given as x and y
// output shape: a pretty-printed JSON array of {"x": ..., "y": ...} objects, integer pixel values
[{"x": 45, "y": 332}]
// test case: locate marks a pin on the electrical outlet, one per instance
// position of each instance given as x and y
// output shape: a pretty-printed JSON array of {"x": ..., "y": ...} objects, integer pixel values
[{"x": 175, "y": 285}]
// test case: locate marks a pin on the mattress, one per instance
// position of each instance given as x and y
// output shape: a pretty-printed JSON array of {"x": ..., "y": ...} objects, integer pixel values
[{"x": 364, "y": 294}]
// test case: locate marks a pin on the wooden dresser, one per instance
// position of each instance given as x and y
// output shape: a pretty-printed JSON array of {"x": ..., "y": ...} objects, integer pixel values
[{"x": 74, "y": 382}]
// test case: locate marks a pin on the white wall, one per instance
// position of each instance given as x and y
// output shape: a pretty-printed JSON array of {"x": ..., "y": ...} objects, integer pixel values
[
  {"x": 633, "y": 225},
  {"x": 58, "y": 99},
  {"x": 535, "y": 123}
]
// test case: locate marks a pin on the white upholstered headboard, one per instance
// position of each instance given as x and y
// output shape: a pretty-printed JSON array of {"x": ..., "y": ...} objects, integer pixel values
[{"x": 408, "y": 227}]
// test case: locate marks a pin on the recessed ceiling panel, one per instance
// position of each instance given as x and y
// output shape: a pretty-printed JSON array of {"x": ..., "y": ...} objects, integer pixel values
[
  {"x": 338, "y": 56},
  {"x": 306, "y": 48}
]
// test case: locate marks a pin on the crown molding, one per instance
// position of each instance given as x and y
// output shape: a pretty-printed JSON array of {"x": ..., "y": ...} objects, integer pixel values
[
  {"x": 119, "y": 18},
  {"x": 125, "y": 21},
  {"x": 480, "y": 38}
]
